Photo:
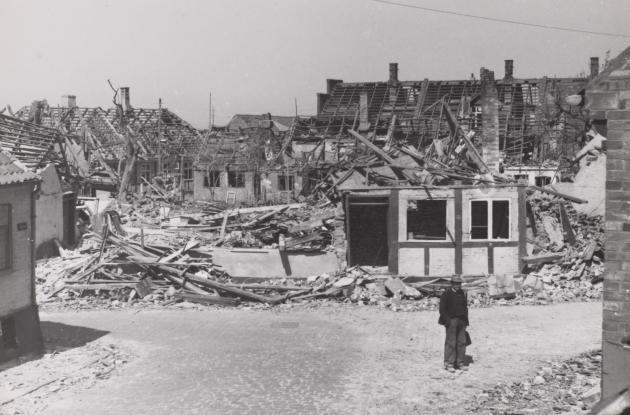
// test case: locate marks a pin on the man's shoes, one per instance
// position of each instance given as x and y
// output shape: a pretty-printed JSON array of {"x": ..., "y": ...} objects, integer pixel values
[{"x": 449, "y": 368}]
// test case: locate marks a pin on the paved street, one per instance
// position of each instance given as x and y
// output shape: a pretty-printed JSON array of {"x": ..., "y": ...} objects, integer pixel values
[{"x": 341, "y": 360}]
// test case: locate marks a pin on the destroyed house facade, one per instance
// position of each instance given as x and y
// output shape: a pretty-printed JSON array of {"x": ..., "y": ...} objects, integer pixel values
[
  {"x": 19, "y": 317},
  {"x": 45, "y": 151},
  {"x": 166, "y": 146},
  {"x": 248, "y": 166},
  {"x": 530, "y": 119},
  {"x": 437, "y": 231}
]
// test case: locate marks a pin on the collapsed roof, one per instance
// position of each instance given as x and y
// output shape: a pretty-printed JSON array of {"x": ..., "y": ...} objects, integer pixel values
[
  {"x": 33, "y": 145},
  {"x": 531, "y": 110}
]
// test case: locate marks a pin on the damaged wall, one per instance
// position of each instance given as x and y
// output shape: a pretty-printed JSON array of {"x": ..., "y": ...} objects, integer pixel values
[
  {"x": 242, "y": 194},
  {"x": 459, "y": 248},
  {"x": 49, "y": 212},
  {"x": 590, "y": 184},
  {"x": 608, "y": 98}
]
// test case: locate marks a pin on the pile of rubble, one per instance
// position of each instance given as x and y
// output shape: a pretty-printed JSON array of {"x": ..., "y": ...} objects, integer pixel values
[
  {"x": 122, "y": 272},
  {"x": 559, "y": 387}
]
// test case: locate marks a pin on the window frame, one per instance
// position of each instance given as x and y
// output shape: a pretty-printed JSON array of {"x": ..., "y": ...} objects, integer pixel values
[
  {"x": 445, "y": 200},
  {"x": 282, "y": 182},
  {"x": 145, "y": 170},
  {"x": 542, "y": 178},
  {"x": 236, "y": 174},
  {"x": 9, "y": 248},
  {"x": 490, "y": 204},
  {"x": 208, "y": 181}
]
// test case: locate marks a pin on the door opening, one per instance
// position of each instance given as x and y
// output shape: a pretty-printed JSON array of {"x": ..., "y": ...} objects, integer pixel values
[{"x": 367, "y": 231}]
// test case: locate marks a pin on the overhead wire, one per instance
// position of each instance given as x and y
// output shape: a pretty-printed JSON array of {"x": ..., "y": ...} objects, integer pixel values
[{"x": 496, "y": 19}]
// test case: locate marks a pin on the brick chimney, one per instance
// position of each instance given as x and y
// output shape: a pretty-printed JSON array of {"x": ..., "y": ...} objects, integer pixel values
[
  {"x": 70, "y": 101},
  {"x": 331, "y": 83},
  {"x": 321, "y": 102},
  {"x": 125, "y": 98},
  {"x": 393, "y": 73},
  {"x": 489, "y": 120},
  {"x": 594, "y": 66},
  {"x": 364, "y": 123},
  {"x": 509, "y": 69}
]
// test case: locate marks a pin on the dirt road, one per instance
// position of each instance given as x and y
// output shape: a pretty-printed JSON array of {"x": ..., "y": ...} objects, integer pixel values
[{"x": 337, "y": 359}]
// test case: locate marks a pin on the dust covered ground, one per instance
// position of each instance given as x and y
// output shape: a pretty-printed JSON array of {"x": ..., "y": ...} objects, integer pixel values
[{"x": 336, "y": 359}]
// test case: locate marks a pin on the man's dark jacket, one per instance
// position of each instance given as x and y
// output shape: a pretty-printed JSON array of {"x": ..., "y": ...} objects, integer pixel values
[{"x": 453, "y": 303}]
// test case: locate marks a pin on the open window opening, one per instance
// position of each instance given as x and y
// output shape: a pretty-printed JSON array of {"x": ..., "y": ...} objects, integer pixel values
[
  {"x": 521, "y": 178},
  {"x": 489, "y": 219},
  {"x": 542, "y": 180},
  {"x": 236, "y": 179},
  {"x": 286, "y": 182},
  {"x": 426, "y": 219},
  {"x": 212, "y": 179},
  {"x": 146, "y": 171}
]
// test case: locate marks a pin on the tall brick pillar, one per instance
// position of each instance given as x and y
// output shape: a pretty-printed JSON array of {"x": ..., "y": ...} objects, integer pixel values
[
  {"x": 489, "y": 120},
  {"x": 608, "y": 99}
]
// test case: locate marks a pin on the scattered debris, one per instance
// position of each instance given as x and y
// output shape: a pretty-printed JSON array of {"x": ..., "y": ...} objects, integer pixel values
[{"x": 571, "y": 386}]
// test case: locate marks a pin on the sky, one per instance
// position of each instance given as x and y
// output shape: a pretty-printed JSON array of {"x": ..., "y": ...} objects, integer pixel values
[{"x": 259, "y": 56}]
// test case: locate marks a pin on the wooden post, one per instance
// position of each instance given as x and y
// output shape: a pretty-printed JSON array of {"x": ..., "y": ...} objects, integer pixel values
[{"x": 159, "y": 137}]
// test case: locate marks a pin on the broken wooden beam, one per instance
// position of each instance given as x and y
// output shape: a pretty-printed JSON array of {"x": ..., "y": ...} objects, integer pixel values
[
  {"x": 556, "y": 193},
  {"x": 542, "y": 259},
  {"x": 218, "y": 286},
  {"x": 207, "y": 299}
]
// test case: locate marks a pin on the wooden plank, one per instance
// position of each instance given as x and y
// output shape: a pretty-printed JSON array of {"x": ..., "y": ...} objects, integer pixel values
[
  {"x": 221, "y": 287},
  {"x": 542, "y": 259},
  {"x": 556, "y": 193},
  {"x": 207, "y": 299},
  {"x": 459, "y": 232},
  {"x": 383, "y": 155},
  {"x": 224, "y": 224}
]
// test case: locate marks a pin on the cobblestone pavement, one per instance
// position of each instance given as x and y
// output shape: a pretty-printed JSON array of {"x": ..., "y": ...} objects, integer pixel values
[{"x": 336, "y": 359}]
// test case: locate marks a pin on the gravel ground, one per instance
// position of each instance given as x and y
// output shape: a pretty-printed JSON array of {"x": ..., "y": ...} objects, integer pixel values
[{"x": 336, "y": 359}]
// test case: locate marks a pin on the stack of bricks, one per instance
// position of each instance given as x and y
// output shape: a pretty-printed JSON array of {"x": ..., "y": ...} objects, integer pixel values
[{"x": 608, "y": 98}]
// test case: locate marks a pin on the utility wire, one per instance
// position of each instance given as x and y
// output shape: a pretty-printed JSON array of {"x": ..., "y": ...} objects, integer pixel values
[{"x": 496, "y": 19}]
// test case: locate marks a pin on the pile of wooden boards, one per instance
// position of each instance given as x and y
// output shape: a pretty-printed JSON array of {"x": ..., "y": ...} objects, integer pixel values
[
  {"x": 126, "y": 269},
  {"x": 297, "y": 226}
]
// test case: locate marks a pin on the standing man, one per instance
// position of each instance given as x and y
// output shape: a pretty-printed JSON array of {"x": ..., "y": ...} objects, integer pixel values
[{"x": 454, "y": 316}]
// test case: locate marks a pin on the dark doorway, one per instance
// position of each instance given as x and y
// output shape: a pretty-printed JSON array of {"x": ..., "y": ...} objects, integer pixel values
[
  {"x": 367, "y": 231},
  {"x": 69, "y": 218}
]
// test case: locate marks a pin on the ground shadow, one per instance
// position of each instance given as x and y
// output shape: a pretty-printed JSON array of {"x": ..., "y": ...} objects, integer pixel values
[
  {"x": 468, "y": 359},
  {"x": 64, "y": 335},
  {"x": 56, "y": 336}
]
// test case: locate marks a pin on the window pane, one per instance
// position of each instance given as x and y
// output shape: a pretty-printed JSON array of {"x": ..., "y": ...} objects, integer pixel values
[
  {"x": 542, "y": 181},
  {"x": 479, "y": 219},
  {"x": 500, "y": 219},
  {"x": 426, "y": 219}
]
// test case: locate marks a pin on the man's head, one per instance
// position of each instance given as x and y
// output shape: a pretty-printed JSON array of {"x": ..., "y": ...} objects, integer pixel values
[{"x": 456, "y": 281}]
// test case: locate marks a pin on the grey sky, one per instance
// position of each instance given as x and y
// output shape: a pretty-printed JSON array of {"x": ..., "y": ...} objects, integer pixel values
[{"x": 257, "y": 56}]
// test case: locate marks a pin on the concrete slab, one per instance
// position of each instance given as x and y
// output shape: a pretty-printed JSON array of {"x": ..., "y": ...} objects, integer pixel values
[{"x": 272, "y": 263}]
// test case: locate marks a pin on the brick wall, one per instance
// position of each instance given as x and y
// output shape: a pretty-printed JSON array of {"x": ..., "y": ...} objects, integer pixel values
[
  {"x": 15, "y": 283},
  {"x": 608, "y": 99},
  {"x": 489, "y": 120}
]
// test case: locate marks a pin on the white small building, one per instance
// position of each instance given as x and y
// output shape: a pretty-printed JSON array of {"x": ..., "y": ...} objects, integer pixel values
[{"x": 19, "y": 317}]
